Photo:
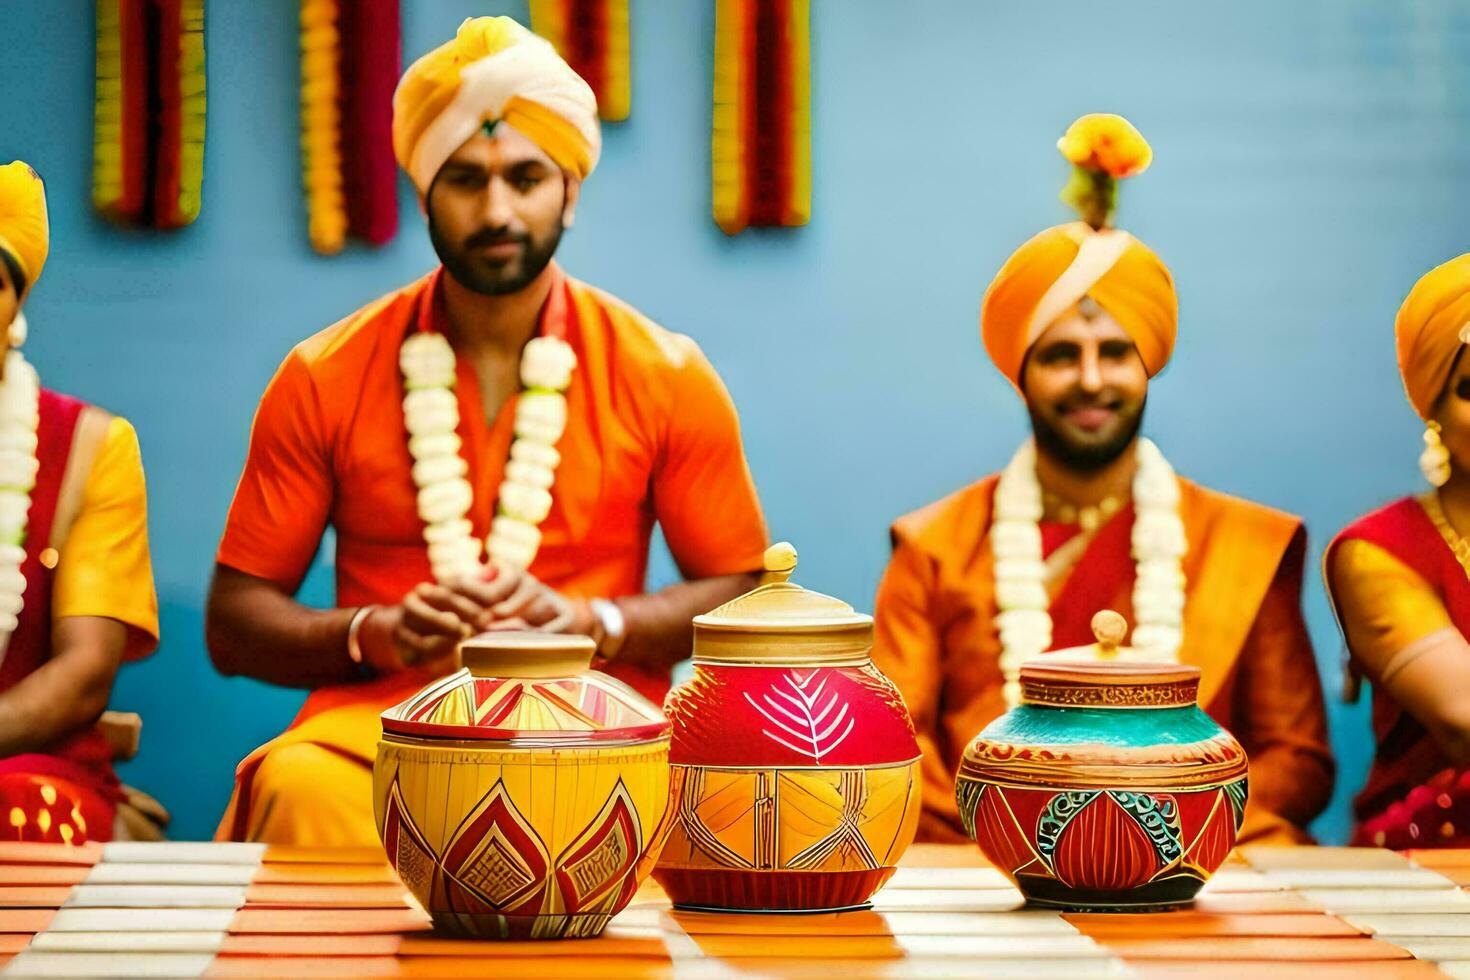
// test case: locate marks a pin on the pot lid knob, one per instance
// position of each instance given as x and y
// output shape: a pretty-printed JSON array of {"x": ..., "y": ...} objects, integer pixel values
[
  {"x": 1109, "y": 628},
  {"x": 779, "y": 563}
]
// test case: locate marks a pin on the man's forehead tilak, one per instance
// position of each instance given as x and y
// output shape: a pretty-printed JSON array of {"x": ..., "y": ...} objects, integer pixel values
[{"x": 511, "y": 142}]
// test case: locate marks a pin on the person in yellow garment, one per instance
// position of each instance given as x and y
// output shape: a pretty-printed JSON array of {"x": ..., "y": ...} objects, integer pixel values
[
  {"x": 1399, "y": 579},
  {"x": 76, "y": 582},
  {"x": 494, "y": 407},
  {"x": 1089, "y": 516}
]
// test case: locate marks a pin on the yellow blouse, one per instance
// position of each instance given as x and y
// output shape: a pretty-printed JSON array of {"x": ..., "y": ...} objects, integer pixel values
[
  {"x": 1387, "y": 609},
  {"x": 103, "y": 566}
]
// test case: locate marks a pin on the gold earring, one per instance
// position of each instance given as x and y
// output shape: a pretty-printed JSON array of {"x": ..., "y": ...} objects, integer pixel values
[{"x": 1434, "y": 462}]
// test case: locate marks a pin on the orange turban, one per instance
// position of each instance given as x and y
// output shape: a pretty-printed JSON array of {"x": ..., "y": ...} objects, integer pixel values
[
  {"x": 1431, "y": 330},
  {"x": 24, "y": 233},
  {"x": 1044, "y": 277},
  {"x": 1053, "y": 271},
  {"x": 493, "y": 70}
]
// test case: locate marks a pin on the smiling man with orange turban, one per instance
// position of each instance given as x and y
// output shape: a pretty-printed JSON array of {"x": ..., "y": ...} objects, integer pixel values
[
  {"x": 1089, "y": 516},
  {"x": 492, "y": 444}
]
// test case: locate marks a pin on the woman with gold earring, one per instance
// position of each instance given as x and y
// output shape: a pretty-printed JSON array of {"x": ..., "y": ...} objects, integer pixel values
[
  {"x": 76, "y": 584},
  {"x": 1399, "y": 580}
]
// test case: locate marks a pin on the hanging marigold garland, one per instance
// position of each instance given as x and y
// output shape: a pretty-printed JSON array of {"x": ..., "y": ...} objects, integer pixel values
[
  {"x": 761, "y": 139},
  {"x": 148, "y": 153},
  {"x": 592, "y": 35},
  {"x": 350, "y": 60}
]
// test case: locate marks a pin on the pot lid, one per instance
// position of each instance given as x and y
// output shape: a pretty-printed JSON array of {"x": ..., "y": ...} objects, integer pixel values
[
  {"x": 779, "y": 622},
  {"x": 527, "y": 686},
  {"x": 1107, "y": 674}
]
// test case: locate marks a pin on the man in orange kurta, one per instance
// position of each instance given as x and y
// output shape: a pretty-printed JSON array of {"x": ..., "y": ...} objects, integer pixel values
[
  {"x": 1078, "y": 320},
  {"x": 650, "y": 436}
]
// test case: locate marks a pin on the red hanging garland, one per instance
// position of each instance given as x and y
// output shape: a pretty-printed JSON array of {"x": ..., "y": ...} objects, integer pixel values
[
  {"x": 148, "y": 152},
  {"x": 351, "y": 59},
  {"x": 761, "y": 144},
  {"x": 592, "y": 35}
]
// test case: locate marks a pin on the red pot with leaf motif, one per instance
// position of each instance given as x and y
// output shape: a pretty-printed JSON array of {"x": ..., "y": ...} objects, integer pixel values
[
  {"x": 795, "y": 768},
  {"x": 1106, "y": 788}
]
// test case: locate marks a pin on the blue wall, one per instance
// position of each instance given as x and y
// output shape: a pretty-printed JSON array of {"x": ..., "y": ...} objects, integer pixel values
[{"x": 1311, "y": 160}]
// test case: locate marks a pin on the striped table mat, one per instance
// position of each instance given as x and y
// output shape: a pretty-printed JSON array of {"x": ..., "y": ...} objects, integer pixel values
[{"x": 220, "y": 910}]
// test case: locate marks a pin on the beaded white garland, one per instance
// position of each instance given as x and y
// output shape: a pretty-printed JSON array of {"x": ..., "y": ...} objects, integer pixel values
[
  {"x": 1158, "y": 546},
  {"x": 20, "y": 416},
  {"x": 431, "y": 413}
]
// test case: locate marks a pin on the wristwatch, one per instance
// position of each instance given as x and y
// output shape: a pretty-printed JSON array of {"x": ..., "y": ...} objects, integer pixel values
[{"x": 612, "y": 626}]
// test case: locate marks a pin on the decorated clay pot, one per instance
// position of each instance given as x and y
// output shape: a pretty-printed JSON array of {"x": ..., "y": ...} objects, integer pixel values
[
  {"x": 1107, "y": 788},
  {"x": 524, "y": 796},
  {"x": 795, "y": 767}
]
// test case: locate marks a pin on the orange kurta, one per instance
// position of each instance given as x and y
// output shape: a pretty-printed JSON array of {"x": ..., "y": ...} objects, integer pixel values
[
  {"x": 652, "y": 437},
  {"x": 1243, "y": 628}
]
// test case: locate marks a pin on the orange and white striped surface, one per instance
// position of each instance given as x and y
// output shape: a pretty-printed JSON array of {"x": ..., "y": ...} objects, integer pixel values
[{"x": 156, "y": 910}]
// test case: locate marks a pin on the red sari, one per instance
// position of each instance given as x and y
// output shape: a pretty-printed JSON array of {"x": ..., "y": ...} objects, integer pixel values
[
  {"x": 68, "y": 793},
  {"x": 1412, "y": 790}
]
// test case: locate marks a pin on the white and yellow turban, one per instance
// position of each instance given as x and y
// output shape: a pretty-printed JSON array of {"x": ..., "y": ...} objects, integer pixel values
[
  {"x": 494, "y": 70},
  {"x": 1054, "y": 270},
  {"x": 25, "y": 234}
]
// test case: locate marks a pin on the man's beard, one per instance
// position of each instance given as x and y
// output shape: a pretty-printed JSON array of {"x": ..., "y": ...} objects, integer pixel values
[
  {"x": 1087, "y": 458},
  {"x": 491, "y": 279}
]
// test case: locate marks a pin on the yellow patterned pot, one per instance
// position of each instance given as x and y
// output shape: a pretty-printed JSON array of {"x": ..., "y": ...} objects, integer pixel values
[
  {"x": 795, "y": 766},
  {"x": 524, "y": 796}
]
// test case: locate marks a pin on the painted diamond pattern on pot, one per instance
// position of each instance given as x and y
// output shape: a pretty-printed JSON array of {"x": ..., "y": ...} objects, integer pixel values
[
  {"x": 802, "y": 715},
  {"x": 596, "y": 865},
  {"x": 412, "y": 858},
  {"x": 496, "y": 855}
]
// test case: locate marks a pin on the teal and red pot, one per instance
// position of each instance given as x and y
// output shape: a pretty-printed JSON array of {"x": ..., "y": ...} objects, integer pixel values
[{"x": 1106, "y": 788}]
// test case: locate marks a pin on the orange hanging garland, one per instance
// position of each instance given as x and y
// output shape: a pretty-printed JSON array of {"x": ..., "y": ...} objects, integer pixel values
[
  {"x": 761, "y": 135},
  {"x": 592, "y": 35},
  {"x": 350, "y": 55},
  {"x": 148, "y": 144}
]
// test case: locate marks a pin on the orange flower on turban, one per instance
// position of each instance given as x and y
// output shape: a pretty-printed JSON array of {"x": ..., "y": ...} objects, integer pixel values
[
  {"x": 24, "y": 232},
  {"x": 1431, "y": 330},
  {"x": 494, "y": 70},
  {"x": 1052, "y": 272}
]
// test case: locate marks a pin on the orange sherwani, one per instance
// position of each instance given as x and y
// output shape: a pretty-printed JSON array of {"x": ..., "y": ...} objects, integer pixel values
[
  {"x": 652, "y": 437},
  {"x": 1243, "y": 628}
]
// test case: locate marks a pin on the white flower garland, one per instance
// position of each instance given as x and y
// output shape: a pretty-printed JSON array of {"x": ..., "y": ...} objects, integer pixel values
[
  {"x": 431, "y": 413},
  {"x": 1159, "y": 544},
  {"x": 20, "y": 416}
]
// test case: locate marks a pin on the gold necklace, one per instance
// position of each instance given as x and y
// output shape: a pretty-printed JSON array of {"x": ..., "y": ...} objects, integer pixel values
[
  {"x": 1089, "y": 517},
  {"x": 1457, "y": 544}
]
